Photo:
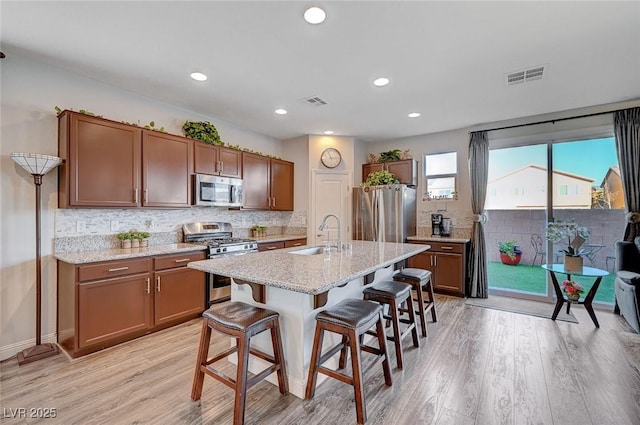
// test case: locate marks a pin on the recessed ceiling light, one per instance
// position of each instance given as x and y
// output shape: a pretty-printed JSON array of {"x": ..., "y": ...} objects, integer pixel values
[
  {"x": 380, "y": 82},
  {"x": 281, "y": 111},
  {"x": 414, "y": 115},
  {"x": 328, "y": 132},
  {"x": 314, "y": 15},
  {"x": 198, "y": 76}
]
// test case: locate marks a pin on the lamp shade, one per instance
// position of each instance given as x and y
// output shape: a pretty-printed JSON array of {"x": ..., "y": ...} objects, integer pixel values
[{"x": 35, "y": 163}]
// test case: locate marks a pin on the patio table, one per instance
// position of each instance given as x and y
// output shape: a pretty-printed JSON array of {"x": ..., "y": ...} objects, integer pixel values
[{"x": 561, "y": 299}]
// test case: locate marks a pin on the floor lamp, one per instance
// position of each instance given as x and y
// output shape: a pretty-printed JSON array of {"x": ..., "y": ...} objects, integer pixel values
[{"x": 37, "y": 165}]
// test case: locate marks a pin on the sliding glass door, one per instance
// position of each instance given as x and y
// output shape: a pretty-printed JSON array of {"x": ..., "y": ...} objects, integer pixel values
[{"x": 555, "y": 180}]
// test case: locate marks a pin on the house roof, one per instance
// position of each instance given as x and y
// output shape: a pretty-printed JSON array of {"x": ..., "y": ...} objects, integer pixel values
[{"x": 538, "y": 167}]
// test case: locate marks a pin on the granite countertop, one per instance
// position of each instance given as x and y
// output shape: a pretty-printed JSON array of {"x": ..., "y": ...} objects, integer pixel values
[
  {"x": 122, "y": 254},
  {"x": 310, "y": 274},
  {"x": 437, "y": 239},
  {"x": 276, "y": 238}
]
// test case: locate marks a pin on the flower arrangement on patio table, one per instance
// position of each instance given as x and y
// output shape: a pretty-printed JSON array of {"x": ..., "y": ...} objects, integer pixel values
[
  {"x": 576, "y": 236},
  {"x": 572, "y": 289}
]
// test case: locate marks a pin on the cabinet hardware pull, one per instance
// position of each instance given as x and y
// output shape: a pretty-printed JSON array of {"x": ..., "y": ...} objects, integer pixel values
[
  {"x": 145, "y": 196},
  {"x": 447, "y": 247},
  {"x": 269, "y": 199},
  {"x": 221, "y": 166},
  {"x": 182, "y": 260},
  {"x": 274, "y": 202},
  {"x": 119, "y": 269},
  {"x": 297, "y": 244},
  {"x": 272, "y": 247},
  {"x": 135, "y": 195},
  {"x": 148, "y": 285},
  {"x": 158, "y": 286},
  {"x": 435, "y": 260}
]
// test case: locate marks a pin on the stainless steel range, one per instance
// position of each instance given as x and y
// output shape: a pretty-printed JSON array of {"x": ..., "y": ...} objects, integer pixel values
[{"x": 218, "y": 236}]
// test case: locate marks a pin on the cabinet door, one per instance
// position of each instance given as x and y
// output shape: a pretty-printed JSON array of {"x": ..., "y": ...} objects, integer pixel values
[
  {"x": 205, "y": 158},
  {"x": 166, "y": 170},
  {"x": 230, "y": 163},
  {"x": 179, "y": 293},
  {"x": 114, "y": 308},
  {"x": 270, "y": 246},
  {"x": 423, "y": 260},
  {"x": 295, "y": 242},
  {"x": 449, "y": 274},
  {"x": 255, "y": 186},
  {"x": 406, "y": 171},
  {"x": 102, "y": 167},
  {"x": 370, "y": 168},
  {"x": 281, "y": 185}
]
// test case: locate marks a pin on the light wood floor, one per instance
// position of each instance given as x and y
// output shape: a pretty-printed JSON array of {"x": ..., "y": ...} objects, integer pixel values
[{"x": 478, "y": 366}]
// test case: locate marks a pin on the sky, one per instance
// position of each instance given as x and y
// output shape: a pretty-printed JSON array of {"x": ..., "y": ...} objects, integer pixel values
[{"x": 588, "y": 158}]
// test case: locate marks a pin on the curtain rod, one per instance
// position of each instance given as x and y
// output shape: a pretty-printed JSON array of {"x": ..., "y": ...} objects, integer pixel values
[{"x": 553, "y": 121}]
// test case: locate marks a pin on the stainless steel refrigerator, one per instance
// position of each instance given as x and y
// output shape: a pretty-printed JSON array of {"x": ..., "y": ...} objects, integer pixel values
[{"x": 384, "y": 213}]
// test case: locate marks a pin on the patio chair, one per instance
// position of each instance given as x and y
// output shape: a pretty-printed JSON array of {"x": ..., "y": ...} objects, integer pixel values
[{"x": 538, "y": 247}]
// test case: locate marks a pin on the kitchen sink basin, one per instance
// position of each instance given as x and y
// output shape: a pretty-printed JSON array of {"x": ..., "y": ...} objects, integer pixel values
[{"x": 312, "y": 250}]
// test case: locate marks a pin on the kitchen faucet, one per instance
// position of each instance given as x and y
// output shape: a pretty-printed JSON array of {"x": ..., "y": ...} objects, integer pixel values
[{"x": 324, "y": 226}]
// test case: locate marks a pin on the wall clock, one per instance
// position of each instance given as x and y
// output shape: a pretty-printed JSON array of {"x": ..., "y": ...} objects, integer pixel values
[{"x": 331, "y": 157}]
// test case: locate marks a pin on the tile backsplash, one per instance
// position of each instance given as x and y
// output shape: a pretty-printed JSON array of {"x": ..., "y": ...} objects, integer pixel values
[{"x": 91, "y": 229}]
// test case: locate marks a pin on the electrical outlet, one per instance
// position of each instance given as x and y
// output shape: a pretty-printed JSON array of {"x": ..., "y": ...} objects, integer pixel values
[
  {"x": 115, "y": 225},
  {"x": 81, "y": 226}
]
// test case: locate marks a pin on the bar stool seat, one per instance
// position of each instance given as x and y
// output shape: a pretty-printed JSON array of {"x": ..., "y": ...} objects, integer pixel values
[
  {"x": 241, "y": 321},
  {"x": 350, "y": 318},
  {"x": 420, "y": 279},
  {"x": 394, "y": 294}
]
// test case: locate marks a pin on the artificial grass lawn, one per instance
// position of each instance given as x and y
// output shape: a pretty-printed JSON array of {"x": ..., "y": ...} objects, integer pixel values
[{"x": 527, "y": 278}]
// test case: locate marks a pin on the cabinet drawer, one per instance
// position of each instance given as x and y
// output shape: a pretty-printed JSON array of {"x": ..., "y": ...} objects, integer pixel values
[
  {"x": 295, "y": 242},
  {"x": 113, "y": 269},
  {"x": 177, "y": 260},
  {"x": 446, "y": 247},
  {"x": 270, "y": 246}
]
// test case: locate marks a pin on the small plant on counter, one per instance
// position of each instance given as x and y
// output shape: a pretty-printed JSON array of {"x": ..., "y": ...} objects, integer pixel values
[
  {"x": 125, "y": 239},
  {"x": 202, "y": 130},
  {"x": 143, "y": 237},
  {"x": 258, "y": 230}
]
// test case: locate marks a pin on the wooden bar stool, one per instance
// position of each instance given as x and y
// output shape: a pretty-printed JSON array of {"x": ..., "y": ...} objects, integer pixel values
[
  {"x": 394, "y": 294},
  {"x": 241, "y": 321},
  {"x": 350, "y": 318},
  {"x": 420, "y": 279}
]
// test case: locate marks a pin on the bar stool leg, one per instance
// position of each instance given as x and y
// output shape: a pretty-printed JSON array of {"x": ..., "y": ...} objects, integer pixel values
[
  {"x": 382, "y": 343},
  {"x": 278, "y": 350},
  {"x": 343, "y": 353},
  {"x": 315, "y": 360},
  {"x": 241, "y": 380},
  {"x": 393, "y": 307},
  {"x": 358, "y": 389},
  {"x": 423, "y": 320},
  {"x": 203, "y": 352},
  {"x": 432, "y": 300},
  {"x": 412, "y": 319}
]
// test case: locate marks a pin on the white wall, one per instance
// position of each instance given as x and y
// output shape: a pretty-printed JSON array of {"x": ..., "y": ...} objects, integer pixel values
[{"x": 30, "y": 90}]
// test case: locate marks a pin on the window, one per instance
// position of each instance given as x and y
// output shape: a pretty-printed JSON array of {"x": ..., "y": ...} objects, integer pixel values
[{"x": 441, "y": 170}]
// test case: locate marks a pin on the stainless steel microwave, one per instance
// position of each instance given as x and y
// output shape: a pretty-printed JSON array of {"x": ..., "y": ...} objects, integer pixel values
[{"x": 217, "y": 191}]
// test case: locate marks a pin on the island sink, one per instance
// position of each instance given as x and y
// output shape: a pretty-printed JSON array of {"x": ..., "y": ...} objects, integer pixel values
[{"x": 312, "y": 250}]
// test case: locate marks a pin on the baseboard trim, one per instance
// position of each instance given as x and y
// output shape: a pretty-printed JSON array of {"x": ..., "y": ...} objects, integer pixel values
[{"x": 8, "y": 351}]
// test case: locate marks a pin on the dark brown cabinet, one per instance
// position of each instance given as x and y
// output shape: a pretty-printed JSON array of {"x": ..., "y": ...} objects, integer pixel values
[
  {"x": 270, "y": 246},
  {"x": 267, "y": 183},
  {"x": 166, "y": 170},
  {"x": 447, "y": 263},
  {"x": 109, "y": 164},
  {"x": 217, "y": 160},
  {"x": 102, "y": 162},
  {"x": 406, "y": 170},
  {"x": 103, "y": 304},
  {"x": 295, "y": 242}
]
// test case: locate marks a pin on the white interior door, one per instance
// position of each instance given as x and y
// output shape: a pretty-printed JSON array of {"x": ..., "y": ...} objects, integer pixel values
[{"x": 331, "y": 194}]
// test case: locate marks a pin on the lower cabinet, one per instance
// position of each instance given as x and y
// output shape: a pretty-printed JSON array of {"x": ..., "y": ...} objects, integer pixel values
[
  {"x": 447, "y": 264},
  {"x": 270, "y": 246},
  {"x": 103, "y": 304}
]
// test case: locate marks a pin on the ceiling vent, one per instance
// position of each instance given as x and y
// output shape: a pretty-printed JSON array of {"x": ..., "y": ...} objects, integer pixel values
[
  {"x": 530, "y": 74},
  {"x": 314, "y": 101}
]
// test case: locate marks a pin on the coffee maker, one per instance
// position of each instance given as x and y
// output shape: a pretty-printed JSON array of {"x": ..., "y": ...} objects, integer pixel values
[{"x": 436, "y": 224}]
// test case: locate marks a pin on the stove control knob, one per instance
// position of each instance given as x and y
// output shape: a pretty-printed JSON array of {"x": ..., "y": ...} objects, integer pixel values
[
  {"x": 218, "y": 250},
  {"x": 224, "y": 249}
]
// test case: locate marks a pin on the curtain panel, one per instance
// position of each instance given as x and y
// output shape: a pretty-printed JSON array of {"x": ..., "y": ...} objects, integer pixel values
[
  {"x": 626, "y": 125},
  {"x": 478, "y": 173}
]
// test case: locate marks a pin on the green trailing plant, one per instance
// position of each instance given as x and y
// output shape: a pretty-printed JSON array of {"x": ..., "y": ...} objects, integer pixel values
[
  {"x": 140, "y": 235},
  {"x": 258, "y": 228},
  {"x": 124, "y": 236},
  {"x": 152, "y": 126},
  {"x": 509, "y": 248},
  {"x": 392, "y": 155},
  {"x": 379, "y": 178},
  {"x": 202, "y": 130},
  {"x": 81, "y": 111}
]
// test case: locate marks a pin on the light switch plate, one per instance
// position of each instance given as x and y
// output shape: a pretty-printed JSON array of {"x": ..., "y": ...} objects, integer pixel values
[{"x": 115, "y": 225}]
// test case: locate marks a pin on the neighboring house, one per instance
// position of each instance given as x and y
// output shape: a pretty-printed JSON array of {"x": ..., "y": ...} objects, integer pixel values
[
  {"x": 612, "y": 185},
  {"x": 525, "y": 188}
]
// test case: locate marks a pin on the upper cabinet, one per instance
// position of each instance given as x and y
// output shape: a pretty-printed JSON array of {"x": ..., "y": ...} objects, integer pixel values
[
  {"x": 108, "y": 164},
  {"x": 217, "y": 160},
  {"x": 406, "y": 170},
  {"x": 102, "y": 162},
  {"x": 267, "y": 183}
]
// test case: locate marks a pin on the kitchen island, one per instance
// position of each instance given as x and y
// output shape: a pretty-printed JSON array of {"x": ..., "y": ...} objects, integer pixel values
[{"x": 298, "y": 283}]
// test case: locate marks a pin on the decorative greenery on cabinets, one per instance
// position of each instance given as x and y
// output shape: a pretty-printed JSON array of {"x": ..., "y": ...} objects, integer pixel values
[
  {"x": 202, "y": 130},
  {"x": 379, "y": 178}
]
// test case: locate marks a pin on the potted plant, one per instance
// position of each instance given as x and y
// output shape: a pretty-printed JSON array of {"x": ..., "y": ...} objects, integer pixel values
[
  {"x": 125, "y": 239},
  {"x": 575, "y": 236},
  {"x": 143, "y": 237},
  {"x": 379, "y": 178},
  {"x": 572, "y": 289},
  {"x": 202, "y": 130},
  {"x": 510, "y": 254},
  {"x": 258, "y": 230}
]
